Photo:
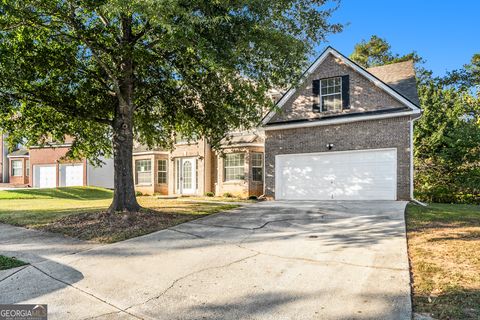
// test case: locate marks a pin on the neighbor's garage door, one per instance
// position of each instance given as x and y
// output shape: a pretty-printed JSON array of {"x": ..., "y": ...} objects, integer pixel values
[
  {"x": 44, "y": 176},
  {"x": 71, "y": 175},
  {"x": 349, "y": 175}
]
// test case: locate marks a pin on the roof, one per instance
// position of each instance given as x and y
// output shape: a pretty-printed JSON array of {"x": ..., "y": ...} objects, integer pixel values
[
  {"x": 18, "y": 153},
  {"x": 400, "y": 76},
  {"x": 241, "y": 138},
  {"x": 412, "y": 105}
]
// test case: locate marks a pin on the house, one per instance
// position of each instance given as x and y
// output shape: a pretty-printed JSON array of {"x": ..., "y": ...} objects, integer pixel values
[
  {"x": 344, "y": 133},
  {"x": 45, "y": 167}
]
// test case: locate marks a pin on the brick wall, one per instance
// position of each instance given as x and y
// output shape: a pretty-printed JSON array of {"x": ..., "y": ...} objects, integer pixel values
[
  {"x": 376, "y": 134},
  {"x": 48, "y": 155},
  {"x": 364, "y": 95}
]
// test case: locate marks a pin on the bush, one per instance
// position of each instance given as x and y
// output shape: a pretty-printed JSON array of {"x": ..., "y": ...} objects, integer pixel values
[
  {"x": 252, "y": 198},
  {"x": 210, "y": 194},
  {"x": 228, "y": 195},
  {"x": 138, "y": 193}
]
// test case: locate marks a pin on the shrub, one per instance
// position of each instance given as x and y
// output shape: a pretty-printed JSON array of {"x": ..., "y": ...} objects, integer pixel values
[
  {"x": 210, "y": 194},
  {"x": 138, "y": 193},
  {"x": 252, "y": 198},
  {"x": 228, "y": 195}
]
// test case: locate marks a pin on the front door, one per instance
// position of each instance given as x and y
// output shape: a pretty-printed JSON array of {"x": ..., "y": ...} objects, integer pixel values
[{"x": 186, "y": 176}]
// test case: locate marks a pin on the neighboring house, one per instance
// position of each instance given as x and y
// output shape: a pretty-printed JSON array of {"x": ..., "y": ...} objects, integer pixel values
[
  {"x": 345, "y": 133},
  {"x": 44, "y": 167}
]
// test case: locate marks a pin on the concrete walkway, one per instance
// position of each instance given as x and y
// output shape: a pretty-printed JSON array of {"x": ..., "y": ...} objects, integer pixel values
[{"x": 272, "y": 260}]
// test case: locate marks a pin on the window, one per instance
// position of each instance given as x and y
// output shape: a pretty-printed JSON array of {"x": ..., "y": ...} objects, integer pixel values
[
  {"x": 27, "y": 168},
  {"x": 234, "y": 166},
  {"x": 257, "y": 166},
  {"x": 331, "y": 94},
  {"x": 143, "y": 170},
  {"x": 17, "y": 168},
  {"x": 162, "y": 171}
]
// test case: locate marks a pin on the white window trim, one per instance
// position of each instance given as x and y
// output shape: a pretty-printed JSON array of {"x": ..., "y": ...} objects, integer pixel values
[
  {"x": 166, "y": 171},
  {"x": 19, "y": 168},
  {"x": 225, "y": 167},
  {"x": 136, "y": 173},
  {"x": 321, "y": 95},
  {"x": 262, "y": 157}
]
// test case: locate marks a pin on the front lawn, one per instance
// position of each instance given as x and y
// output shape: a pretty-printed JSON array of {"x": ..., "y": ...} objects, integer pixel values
[
  {"x": 444, "y": 249},
  {"x": 9, "y": 263},
  {"x": 79, "y": 212}
]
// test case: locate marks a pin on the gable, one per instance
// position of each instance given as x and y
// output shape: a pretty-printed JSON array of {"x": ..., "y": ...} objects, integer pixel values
[{"x": 367, "y": 94}]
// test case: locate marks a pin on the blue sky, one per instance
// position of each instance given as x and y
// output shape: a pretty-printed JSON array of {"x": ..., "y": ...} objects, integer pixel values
[{"x": 445, "y": 33}]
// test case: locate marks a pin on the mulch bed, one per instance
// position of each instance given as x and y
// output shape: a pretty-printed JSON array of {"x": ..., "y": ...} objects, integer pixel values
[{"x": 108, "y": 228}]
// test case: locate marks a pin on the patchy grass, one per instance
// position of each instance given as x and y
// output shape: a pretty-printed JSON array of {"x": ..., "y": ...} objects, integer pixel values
[
  {"x": 9, "y": 263},
  {"x": 444, "y": 248},
  {"x": 79, "y": 212}
]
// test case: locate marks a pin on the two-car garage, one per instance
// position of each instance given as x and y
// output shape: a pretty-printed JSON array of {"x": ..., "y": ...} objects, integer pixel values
[
  {"x": 69, "y": 175},
  {"x": 342, "y": 175}
]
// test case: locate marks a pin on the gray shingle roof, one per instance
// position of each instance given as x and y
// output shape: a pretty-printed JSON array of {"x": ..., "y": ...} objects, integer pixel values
[
  {"x": 19, "y": 153},
  {"x": 400, "y": 76}
]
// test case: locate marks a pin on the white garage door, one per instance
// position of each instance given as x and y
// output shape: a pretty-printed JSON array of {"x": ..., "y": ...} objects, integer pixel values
[
  {"x": 350, "y": 175},
  {"x": 44, "y": 176},
  {"x": 71, "y": 175}
]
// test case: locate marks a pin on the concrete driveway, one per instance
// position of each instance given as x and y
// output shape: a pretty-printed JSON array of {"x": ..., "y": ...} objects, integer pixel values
[{"x": 272, "y": 260}]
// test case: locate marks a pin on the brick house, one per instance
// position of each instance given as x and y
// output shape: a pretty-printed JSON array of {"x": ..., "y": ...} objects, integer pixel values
[
  {"x": 45, "y": 167},
  {"x": 344, "y": 133}
]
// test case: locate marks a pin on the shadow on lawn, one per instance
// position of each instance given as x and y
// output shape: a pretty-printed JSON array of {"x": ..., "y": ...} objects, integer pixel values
[
  {"x": 73, "y": 193},
  {"x": 455, "y": 304}
]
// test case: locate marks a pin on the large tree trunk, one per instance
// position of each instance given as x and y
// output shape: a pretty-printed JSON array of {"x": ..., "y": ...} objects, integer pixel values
[
  {"x": 124, "y": 194},
  {"x": 124, "y": 198}
]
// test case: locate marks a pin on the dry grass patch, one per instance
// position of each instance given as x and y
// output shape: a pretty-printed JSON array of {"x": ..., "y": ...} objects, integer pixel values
[{"x": 444, "y": 248}]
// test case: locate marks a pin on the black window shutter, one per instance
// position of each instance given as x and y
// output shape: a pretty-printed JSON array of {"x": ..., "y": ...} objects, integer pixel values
[
  {"x": 345, "y": 92},
  {"x": 316, "y": 93}
]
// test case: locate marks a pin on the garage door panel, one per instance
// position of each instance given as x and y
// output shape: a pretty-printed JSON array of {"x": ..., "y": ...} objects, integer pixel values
[
  {"x": 71, "y": 175},
  {"x": 44, "y": 176},
  {"x": 356, "y": 175}
]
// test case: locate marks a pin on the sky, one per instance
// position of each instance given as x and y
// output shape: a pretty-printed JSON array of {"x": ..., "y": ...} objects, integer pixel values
[{"x": 445, "y": 33}]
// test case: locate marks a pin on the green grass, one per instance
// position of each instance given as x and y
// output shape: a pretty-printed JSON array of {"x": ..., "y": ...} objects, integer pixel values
[
  {"x": 62, "y": 210},
  {"x": 9, "y": 263},
  {"x": 444, "y": 246},
  {"x": 69, "y": 193}
]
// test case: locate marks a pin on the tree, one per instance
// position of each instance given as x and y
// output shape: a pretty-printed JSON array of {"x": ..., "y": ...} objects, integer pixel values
[
  {"x": 116, "y": 71},
  {"x": 376, "y": 52}
]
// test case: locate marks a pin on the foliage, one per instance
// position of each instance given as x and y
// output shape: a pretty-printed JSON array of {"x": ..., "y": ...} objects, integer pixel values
[
  {"x": 9, "y": 263},
  {"x": 210, "y": 194},
  {"x": 227, "y": 195},
  {"x": 447, "y": 145},
  {"x": 376, "y": 52},
  {"x": 252, "y": 197}
]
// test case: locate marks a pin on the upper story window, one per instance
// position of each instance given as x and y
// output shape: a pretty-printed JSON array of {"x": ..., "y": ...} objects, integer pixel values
[
  {"x": 234, "y": 165},
  {"x": 331, "y": 94},
  {"x": 143, "y": 171},
  {"x": 17, "y": 168},
  {"x": 162, "y": 171}
]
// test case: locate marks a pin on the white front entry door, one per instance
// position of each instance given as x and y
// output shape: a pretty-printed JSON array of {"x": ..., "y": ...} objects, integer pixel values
[
  {"x": 347, "y": 175},
  {"x": 71, "y": 175},
  {"x": 45, "y": 176},
  {"x": 186, "y": 175}
]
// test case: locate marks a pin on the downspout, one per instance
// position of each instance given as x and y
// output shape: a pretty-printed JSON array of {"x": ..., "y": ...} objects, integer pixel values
[{"x": 412, "y": 199}]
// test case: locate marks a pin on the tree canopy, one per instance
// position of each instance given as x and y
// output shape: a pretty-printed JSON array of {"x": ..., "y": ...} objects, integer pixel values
[
  {"x": 377, "y": 52},
  {"x": 116, "y": 71}
]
